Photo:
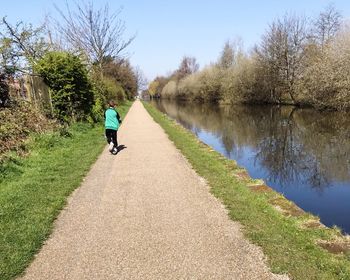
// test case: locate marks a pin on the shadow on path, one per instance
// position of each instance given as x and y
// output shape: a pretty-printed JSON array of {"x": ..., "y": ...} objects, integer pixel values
[{"x": 120, "y": 148}]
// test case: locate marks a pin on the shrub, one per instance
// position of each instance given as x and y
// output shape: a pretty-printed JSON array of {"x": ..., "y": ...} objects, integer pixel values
[
  {"x": 203, "y": 85},
  {"x": 170, "y": 90},
  {"x": 326, "y": 83},
  {"x": 66, "y": 75},
  {"x": 113, "y": 90},
  {"x": 119, "y": 73},
  {"x": 210, "y": 79},
  {"x": 244, "y": 82},
  {"x": 105, "y": 90},
  {"x": 17, "y": 123},
  {"x": 189, "y": 87}
]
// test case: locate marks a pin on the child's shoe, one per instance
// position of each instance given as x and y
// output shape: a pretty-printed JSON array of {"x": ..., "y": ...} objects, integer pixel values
[{"x": 110, "y": 147}]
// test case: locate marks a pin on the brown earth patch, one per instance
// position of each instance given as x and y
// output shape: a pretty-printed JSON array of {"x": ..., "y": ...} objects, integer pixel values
[
  {"x": 336, "y": 247},
  {"x": 242, "y": 174},
  {"x": 260, "y": 188},
  {"x": 312, "y": 224},
  {"x": 286, "y": 207}
]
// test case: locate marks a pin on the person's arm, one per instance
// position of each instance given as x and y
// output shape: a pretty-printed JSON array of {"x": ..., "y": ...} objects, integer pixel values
[{"x": 119, "y": 118}]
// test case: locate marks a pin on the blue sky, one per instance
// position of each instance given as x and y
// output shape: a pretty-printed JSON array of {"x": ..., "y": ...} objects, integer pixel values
[{"x": 168, "y": 30}]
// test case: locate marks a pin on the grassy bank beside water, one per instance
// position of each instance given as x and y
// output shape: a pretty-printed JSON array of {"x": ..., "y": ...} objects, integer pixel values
[
  {"x": 34, "y": 189},
  {"x": 289, "y": 237}
]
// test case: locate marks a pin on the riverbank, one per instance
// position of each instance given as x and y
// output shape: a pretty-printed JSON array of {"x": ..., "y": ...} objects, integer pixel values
[
  {"x": 289, "y": 237},
  {"x": 34, "y": 189}
]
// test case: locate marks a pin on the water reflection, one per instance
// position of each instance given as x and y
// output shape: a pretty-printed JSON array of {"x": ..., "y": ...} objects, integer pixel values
[{"x": 299, "y": 152}]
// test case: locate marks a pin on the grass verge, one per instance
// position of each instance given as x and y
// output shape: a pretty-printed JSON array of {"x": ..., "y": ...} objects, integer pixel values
[
  {"x": 34, "y": 189},
  {"x": 290, "y": 247}
]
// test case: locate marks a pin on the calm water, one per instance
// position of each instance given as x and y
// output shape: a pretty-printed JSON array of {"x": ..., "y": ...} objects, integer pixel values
[{"x": 301, "y": 153}]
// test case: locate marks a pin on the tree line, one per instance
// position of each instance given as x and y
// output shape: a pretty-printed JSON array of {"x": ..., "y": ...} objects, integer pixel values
[
  {"x": 298, "y": 61},
  {"x": 61, "y": 72},
  {"x": 80, "y": 56}
]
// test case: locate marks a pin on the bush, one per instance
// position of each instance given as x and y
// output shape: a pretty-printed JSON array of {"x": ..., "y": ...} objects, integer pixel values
[
  {"x": 170, "y": 90},
  {"x": 210, "y": 80},
  {"x": 120, "y": 73},
  {"x": 244, "y": 82},
  {"x": 113, "y": 90},
  {"x": 189, "y": 87},
  {"x": 105, "y": 89},
  {"x": 204, "y": 85},
  {"x": 326, "y": 83},
  {"x": 66, "y": 75},
  {"x": 16, "y": 125}
]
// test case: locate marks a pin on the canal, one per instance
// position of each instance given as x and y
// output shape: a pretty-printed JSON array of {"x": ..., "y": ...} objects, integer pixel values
[{"x": 302, "y": 153}]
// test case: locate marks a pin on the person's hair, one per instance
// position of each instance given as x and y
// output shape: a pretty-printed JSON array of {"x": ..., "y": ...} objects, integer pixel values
[{"x": 111, "y": 103}]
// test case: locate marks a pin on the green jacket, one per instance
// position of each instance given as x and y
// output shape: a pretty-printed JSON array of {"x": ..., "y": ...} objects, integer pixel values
[{"x": 112, "y": 119}]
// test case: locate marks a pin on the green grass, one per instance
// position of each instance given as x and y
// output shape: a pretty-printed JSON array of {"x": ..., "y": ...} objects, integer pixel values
[
  {"x": 34, "y": 189},
  {"x": 289, "y": 248}
]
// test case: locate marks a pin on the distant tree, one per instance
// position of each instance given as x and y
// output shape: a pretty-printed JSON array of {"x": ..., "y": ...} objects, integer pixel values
[
  {"x": 187, "y": 66},
  {"x": 325, "y": 82},
  {"x": 96, "y": 32},
  {"x": 112, "y": 90},
  {"x": 281, "y": 53},
  {"x": 121, "y": 71},
  {"x": 67, "y": 77},
  {"x": 227, "y": 57},
  {"x": 162, "y": 82},
  {"x": 231, "y": 53},
  {"x": 170, "y": 90},
  {"x": 153, "y": 88},
  {"x": 140, "y": 78},
  {"x": 145, "y": 94},
  {"x": 327, "y": 25}
]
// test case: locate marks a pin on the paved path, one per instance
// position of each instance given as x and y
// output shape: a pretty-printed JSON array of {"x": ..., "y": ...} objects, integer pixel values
[{"x": 145, "y": 214}]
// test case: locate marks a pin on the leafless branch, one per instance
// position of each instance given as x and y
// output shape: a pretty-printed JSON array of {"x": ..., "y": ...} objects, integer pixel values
[{"x": 95, "y": 32}]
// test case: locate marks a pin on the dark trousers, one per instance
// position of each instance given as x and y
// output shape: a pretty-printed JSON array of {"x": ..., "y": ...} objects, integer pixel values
[{"x": 112, "y": 136}]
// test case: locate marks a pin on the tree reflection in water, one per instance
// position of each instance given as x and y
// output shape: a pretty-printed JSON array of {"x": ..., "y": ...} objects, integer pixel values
[
  {"x": 300, "y": 152},
  {"x": 295, "y": 146}
]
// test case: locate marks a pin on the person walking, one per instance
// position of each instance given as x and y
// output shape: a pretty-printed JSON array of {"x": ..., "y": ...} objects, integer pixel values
[{"x": 112, "y": 123}]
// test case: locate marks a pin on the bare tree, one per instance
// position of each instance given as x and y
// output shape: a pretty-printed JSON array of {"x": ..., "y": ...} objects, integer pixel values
[
  {"x": 187, "y": 66},
  {"x": 325, "y": 82},
  {"x": 141, "y": 78},
  {"x": 281, "y": 53},
  {"x": 96, "y": 32},
  {"x": 227, "y": 57},
  {"x": 230, "y": 53},
  {"x": 327, "y": 25}
]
